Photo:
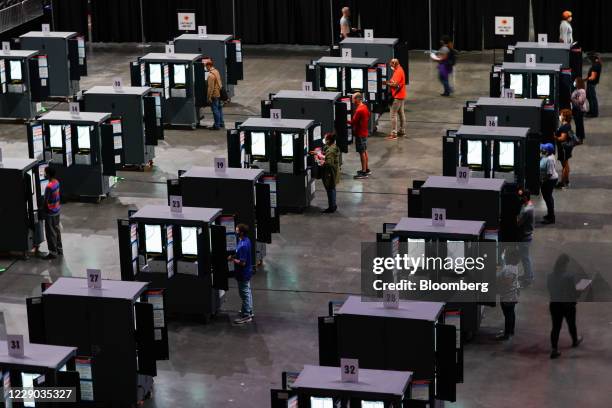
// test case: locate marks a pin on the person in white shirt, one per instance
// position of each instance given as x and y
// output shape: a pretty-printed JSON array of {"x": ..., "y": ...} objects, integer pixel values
[
  {"x": 345, "y": 23},
  {"x": 565, "y": 29}
]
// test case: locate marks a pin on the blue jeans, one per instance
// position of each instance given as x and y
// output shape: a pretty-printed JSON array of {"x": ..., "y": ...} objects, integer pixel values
[
  {"x": 331, "y": 197},
  {"x": 244, "y": 290},
  {"x": 443, "y": 73},
  {"x": 217, "y": 110},
  {"x": 526, "y": 260},
  {"x": 592, "y": 98}
]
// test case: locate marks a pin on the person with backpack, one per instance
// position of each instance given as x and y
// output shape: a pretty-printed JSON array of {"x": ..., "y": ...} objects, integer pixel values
[
  {"x": 446, "y": 57},
  {"x": 580, "y": 106},
  {"x": 566, "y": 140}
]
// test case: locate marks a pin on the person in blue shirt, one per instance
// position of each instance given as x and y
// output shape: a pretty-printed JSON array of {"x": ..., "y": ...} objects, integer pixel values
[{"x": 243, "y": 269}]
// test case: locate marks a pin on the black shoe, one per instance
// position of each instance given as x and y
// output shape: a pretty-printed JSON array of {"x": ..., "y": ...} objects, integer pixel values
[
  {"x": 577, "y": 342},
  {"x": 368, "y": 172},
  {"x": 243, "y": 319},
  {"x": 360, "y": 175},
  {"x": 50, "y": 256},
  {"x": 330, "y": 210},
  {"x": 547, "y": 221},
  {"x": 555, "y": 354},
  {"x": 501, "y": 336},
  {"x": 444, "y": 94},
  {"x": 213, "y": 128}
]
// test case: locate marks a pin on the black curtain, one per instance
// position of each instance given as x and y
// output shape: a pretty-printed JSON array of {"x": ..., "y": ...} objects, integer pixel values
[
  {"x": 115, "y": 21},
  {"x": 468, "y": 18},
  {"x": 519, "y": 9},
  {"x": 70, "y": 15},
  {"x": 590, "y": 23}
]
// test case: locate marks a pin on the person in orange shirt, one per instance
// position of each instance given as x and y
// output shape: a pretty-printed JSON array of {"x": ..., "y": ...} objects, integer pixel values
[{"x": 398, "y": 92}]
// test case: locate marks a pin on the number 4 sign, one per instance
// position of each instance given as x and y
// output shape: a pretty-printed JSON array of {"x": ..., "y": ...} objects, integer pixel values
[
  {"x": 14, "y": 343},
  {"x": 349, "y": 370}
]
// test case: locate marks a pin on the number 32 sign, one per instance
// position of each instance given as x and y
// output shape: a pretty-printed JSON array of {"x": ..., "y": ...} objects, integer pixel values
[{"x": 349, "y": 370}]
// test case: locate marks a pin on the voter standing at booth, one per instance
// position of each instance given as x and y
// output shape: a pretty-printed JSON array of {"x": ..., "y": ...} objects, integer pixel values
[
  {"x": 360, "y": 122},
  {"x": 329, "y": 161},
  {"x": 243, "y": 269},
  {"x": 215, "y": 85},
  {"x": 52, "y": 208},
  {"x": 398, "y": 92}
]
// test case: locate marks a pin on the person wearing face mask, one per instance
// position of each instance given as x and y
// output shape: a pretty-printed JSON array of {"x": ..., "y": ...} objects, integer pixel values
[
  {"x": 548, "y": 180},
  {"x": 565, "y": 138},
  {"x": 329, "y": 160},
  {"x": 398, "y": 92},
  {"x": 579, "y": 107}
]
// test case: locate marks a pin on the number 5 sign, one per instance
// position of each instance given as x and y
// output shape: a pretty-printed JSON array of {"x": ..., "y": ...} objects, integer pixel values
[
  {"x": 14, "y": 343},
  {"x": 349, "y": 370}
]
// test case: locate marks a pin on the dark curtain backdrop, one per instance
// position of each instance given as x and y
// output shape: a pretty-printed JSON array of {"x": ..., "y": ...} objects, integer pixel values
[
  {"x": 460, "y": 19},
  {"x": 519, "y": 9},
  {"x": 591, "y": 21},
  {"x": 115, "y": 21},
  {"x": 70, "y": 15}
]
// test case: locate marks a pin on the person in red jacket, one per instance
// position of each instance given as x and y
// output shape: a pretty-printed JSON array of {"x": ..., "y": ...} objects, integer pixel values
[
  {"x": 360, "y": 122},
  {"x": 398, "y": 92}
]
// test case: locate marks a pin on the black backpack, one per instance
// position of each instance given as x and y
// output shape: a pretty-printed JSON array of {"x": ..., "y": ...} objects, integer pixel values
[{"x": 452, "y": 57}]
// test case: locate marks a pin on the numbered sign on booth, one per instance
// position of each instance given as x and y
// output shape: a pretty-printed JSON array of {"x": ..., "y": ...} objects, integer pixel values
[
  {"x": 508, "y": 93},
  {"x": 368, "y": 34},
  {"x": 391, "y": 299},
  {"x": 220, "y": 164},
  {"x": 117, "y": 83},
  {"x": 347, "y": 53},
  {"x": 349, "y": 370},
  {"x": 530, "y": 60},
  {"x": 491, "y": 121},
  {"x": 45, "y": 28},
  {"x": 463, "y": 175},
  {"x": 275, "y": 114},
  {"x": 542, "y": 39},
  {"x": 438, "y": 217},
  {"x": 15, "y": 346},
  {"x": 307, "y": 86},
  {"x": 94, "y": 279},
  {"x": 170, "y": 49},
  {"x": 74, "y": 108},
  {"x": 176, "y": 204},
  {"x": 202, "y": 31},
  {"x": 6, "y": 47}
]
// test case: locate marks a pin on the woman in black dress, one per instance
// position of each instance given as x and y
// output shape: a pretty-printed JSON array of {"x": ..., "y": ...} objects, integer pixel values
[{"x": 565, "y": 145}]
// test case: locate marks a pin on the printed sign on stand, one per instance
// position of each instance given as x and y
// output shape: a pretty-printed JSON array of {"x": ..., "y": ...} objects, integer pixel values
[
  {"x": 368, "y": 34},
  {"x": 491, "y": 121},
  {"x": 530, "y": 60},
  {"x": 220, "y": 164},
  {"x": 542, "y": 39},
  {"x": 307, "y": 86},
  {"x": 504, "y": 25},
  {"x": 347, "y": 53},
  {"x": 508, "y": 93},
  {"x": 117, "y": 83},
  {"x": 94, "y": 278},
  {"x": 170, "y": 49},
  {"x": 438, "y": 217},
  {"x": 276, "y": 115},
  {"x": 15, "y": 346},
  {"x": 46, "y": 29},
  {"x": 463, "y": 175},
  {"x": 74, "y": 108},
  {"x": 202, "y": 31},
  {"x": 186, "y": 21},
  {"x": 391, "y": 299},
  {"x": 6, "y": 47},
  {"x": 176, "y": 204},
  {"x": 349, "y": 370}
]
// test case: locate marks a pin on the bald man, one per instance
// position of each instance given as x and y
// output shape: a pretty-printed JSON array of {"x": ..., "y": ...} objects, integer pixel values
[
  {"x": 398, "y": 92},
  {"x": 345, "y": 23}
]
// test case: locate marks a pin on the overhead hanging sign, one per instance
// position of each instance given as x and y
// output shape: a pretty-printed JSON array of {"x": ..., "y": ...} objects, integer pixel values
[
  {"x": 186, "y": 21},
  {"x": 504, "y": 25}
]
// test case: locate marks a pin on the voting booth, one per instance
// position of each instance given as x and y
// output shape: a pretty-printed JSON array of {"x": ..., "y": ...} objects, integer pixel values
[
  {"x": 141, "y": 119},
  {"x": 224, "y": 49},
  {"x": 349, "y": 76},
  {"x": 512, "y": 112},
  {"x": 536, "y": 81},
  {"x": 81, "y": 312},
  {"x": 25, "y": 180},
  {"x": 24, "y": 81},
  {"x": 280, "y": 148},
  {"x": 39, "y": 366},
  {"x": 179, "y": 80},
  {"x": 67, "y": 59},
  {"x": 331, "y": 109},
  {"x": 84, "y": 148},
  {"x": 420, "y": 337},
  {"x": 455, "y": 239},
  {"x": 182, "y": 250},
  {"x": 384, "y": 49},
  {"x": 322, "y": 387},
  {"x": 247, "y": 195},
  {"x": 509, "y": 153}
]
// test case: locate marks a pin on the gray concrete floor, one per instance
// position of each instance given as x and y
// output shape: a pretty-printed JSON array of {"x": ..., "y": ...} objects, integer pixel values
[{"x": 315, "y": 258}]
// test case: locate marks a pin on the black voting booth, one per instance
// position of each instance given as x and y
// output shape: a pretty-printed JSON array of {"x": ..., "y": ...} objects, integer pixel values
[
  {"x": 537, "y": 81},
  {"x": 509, "y": 153},
  {"x": 223, "y": 49},
  {"x": 85, "y": 149},
  {"x": 320, "y": 386},
  {"x": 179, "y": 79},
  {"x": 385, "y": 49},
  {"x": 66, "y": 52},
  {"x": 139, "y": 109},
  {"x": 24, "y": 80},
  {"x": 413, "y": 337},
  {"x": 512, "y": 112},
  {"x": 331, "y": 109},
  {"x": 457, "y": 238},
  {"x": 42, "y": 365},
  {"x": 115, "y": 370},
  {"x": 25, "y": 180},
  {"x": 490, "y": 200},
  {"x": 185, "y": 253},
  {"x": 245, "y": 194},
  {"x": 349, "y": 76},
  {"x": 279, "y": 148}
]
